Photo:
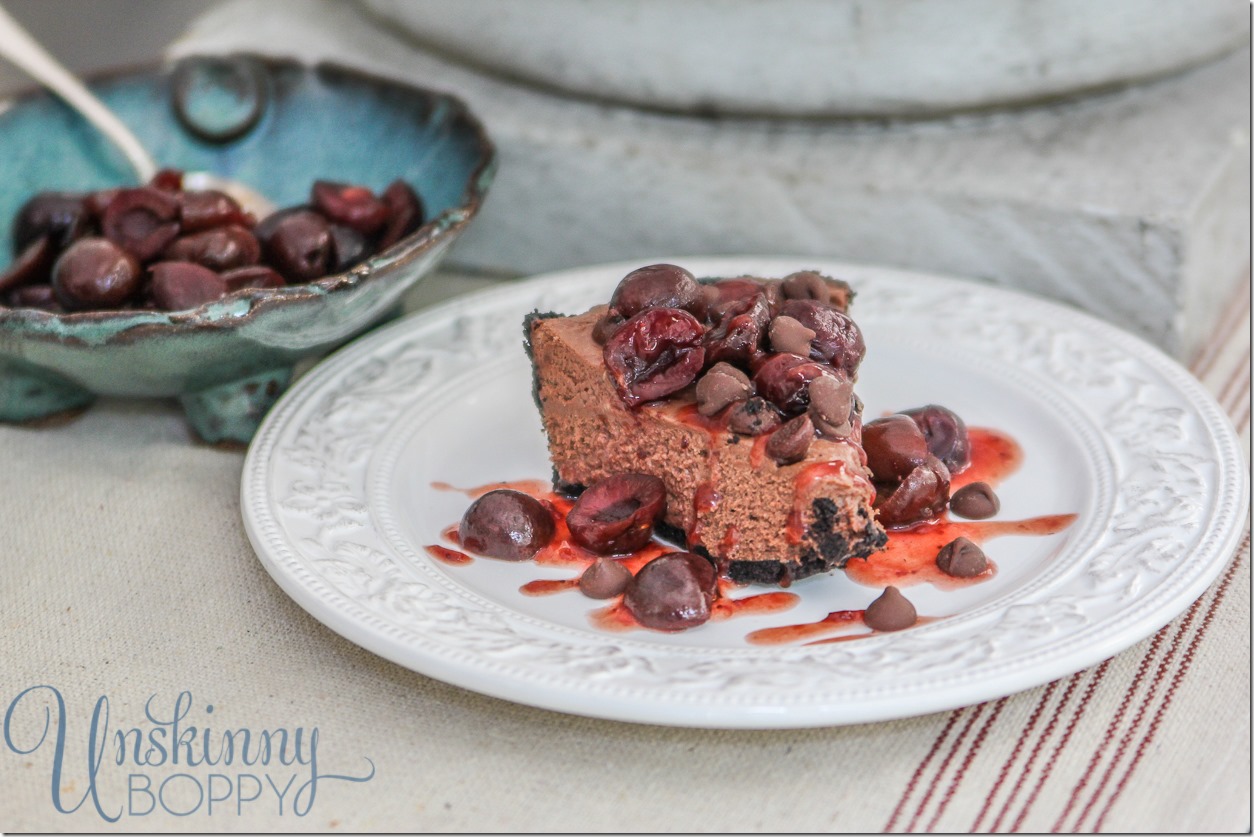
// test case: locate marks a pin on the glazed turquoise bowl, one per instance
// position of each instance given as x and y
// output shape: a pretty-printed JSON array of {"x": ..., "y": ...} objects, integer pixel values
[{"x": 289, "y": 125}]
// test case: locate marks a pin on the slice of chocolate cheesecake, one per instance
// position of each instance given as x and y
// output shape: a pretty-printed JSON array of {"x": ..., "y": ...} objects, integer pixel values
[{"x": 738, "y": 395}]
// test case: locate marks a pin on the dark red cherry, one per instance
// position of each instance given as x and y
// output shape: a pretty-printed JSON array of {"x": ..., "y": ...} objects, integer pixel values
[
  {"x": 739, "y": 336},
  {"x": 728, "y": 296},
  {"x": 350, "y": 205},
  {"x": 405, "y": 212},
  {"x": 206, "y": 209},
  {"x": 167, "y": 180},
  {"x": 32, "y": 266},
  {"x": 672, "y": 592},
  {"x": 350, "y": 247},
  {"x": 142, "y": 221},
  {"x": 177, "y": 286},
  {"x": 894, "y": 447},
  {"x": 784, "y": 380},
  {"x": 219, "y": 248},
  {"x": 59, "y": 216},
  {"x": 657, "y": 286},
  {"x": 506, "y": 524},
  {"x": 253, "y": 276},
  {"x": 946, "y": 435},
  {"x": 837, "y": 341},
  {"x": 40, "y": 296},
  {"x": 655, "y": 353},
  {"x": 95, "y": 273},
  {"x": 298, "y": 244},
  {"x": 922, "y": 495},
  {"x": 616, "y": 515}
]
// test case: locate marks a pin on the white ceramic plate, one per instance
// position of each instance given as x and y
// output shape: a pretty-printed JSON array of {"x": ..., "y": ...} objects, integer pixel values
[{"x": 339, "y": 502}]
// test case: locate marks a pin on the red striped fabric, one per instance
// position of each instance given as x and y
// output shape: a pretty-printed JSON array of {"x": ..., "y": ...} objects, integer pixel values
[{"x": 1137, "y": 698}]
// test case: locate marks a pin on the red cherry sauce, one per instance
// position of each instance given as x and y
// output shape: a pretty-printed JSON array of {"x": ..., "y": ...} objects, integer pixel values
[
  {"x": 839, "y": 620},
  {"x": 994, "y": 456},
  {"x": 446, "y": 555},
  {"x": 910, "y": 557}
]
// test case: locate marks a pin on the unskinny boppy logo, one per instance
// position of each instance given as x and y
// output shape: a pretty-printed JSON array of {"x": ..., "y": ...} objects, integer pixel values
[{"x": 168, "y": 763}]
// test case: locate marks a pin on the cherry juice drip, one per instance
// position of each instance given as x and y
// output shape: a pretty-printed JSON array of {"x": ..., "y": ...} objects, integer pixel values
[
  {"x": 839, "y": 620},
  {"x": 447, "y": 556},
  {"x": 910, "y": 557}
]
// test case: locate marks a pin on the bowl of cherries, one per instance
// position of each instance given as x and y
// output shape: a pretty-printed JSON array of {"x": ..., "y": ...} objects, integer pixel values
[{"x": 166, "y": 290}]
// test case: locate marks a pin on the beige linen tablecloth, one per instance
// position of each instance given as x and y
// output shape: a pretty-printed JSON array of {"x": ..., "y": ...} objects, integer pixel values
[{"x": 127, "y": 576}]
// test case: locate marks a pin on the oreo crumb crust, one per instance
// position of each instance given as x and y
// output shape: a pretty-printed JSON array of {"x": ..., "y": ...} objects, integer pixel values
[{"x": 827, "y": 547}]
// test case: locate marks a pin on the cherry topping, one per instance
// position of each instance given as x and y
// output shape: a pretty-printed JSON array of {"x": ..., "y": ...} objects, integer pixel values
[
  {"x": 352, "y": 206},
  {"x": 740, "y": 333},
  {"x": 142, "y": 221},
  {"x": 894, "y": 447},
  {"x": 921, "y": 496},
  {"x": 728, "y": 296},
  {"x": 95, "y": 273},
  {"x": 837, "y": 340},
  {"x": 506, "y": 524},
  {"x": 946, "y": 435},
  {"x": 784, "y": 380},
  {"x": 616, "y": 515},
  {"x": 657, "y": 286},
  {"x": 655, "y": 353},
  {"x": 672, "y": 592}
]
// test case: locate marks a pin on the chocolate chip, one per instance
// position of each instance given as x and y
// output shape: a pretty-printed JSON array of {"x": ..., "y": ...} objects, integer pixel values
[
  {"x": 604, "y": 579},
  {"x": 789, "y": 335},
  {"x": 832, "y": 406},
  {"x": 790, "y": 442},
  {"x": 961, "y": 558},
  {"x": 806, "y": 284},
  {"x": 753, "y": 417},
  {"x": 975, "y": 501},
  {"x": 724, "y": 384},
  {"x": 890, "y": 612}
]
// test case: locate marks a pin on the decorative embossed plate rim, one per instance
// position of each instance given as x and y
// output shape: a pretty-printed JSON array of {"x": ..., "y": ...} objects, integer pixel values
[{"x": 1160, "y": 522}]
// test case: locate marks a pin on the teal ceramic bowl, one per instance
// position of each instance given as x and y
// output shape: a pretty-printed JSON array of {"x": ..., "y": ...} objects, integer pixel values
[{"x": 287, "y": 126}]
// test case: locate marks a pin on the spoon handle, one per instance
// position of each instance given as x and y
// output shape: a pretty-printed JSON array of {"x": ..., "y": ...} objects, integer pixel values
[{"x": 21, "y": 48}]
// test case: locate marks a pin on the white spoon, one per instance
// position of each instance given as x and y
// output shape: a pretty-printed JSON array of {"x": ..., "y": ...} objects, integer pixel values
[{"x": 21, "y": 48}]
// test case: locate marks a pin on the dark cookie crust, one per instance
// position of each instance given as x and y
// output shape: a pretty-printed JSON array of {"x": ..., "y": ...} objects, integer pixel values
[{"x": 828, "y": 546}]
